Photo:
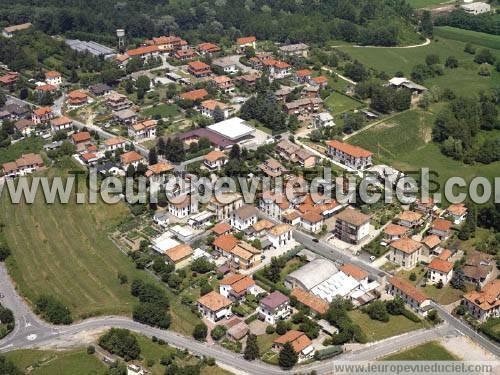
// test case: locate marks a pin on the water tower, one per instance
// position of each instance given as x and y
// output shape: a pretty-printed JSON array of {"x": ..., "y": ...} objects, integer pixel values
[{"x": 120, "y": 33}]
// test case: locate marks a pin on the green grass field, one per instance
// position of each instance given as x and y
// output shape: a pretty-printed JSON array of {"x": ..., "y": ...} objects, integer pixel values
[
  {"x": 338, "y": 103},
  {"x": 15, "y": 150},
  {"x": 431, "y": 351},
  {"x": 63, "y": 250},
  {"x": 162, "y": 110},
  {"x": 44, "y": 362},
  {"x": 468, "y": 36},
  {"x": 376, "y": 330},
  {"x": 417, "y": 4},
  {"x": 405, "y": 143}
]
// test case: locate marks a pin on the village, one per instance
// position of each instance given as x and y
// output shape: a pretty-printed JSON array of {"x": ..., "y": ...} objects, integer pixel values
[{"x": 275, "y": 272}]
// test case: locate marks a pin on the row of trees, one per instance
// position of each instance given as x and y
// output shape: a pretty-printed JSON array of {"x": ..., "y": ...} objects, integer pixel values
[
  {"x": 486, "y": 23},
  {"x": 153, "y": 306}
]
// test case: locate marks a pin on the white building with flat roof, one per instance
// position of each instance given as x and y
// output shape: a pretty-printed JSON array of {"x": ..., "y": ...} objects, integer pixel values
[{"x": 233, "y": 128}]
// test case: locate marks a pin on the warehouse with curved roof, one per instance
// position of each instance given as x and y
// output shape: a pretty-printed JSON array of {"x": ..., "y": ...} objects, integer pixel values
[{"x": 311, "y": 274}]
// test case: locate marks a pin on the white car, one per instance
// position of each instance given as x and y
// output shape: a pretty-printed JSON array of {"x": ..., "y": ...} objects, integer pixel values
[{"x": 372, "y": 258}]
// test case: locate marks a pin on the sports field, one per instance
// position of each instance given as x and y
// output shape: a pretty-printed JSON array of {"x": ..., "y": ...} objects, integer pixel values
[
  {"x": 405, "y": 142},
  {"x": 63, "y": 250},
  {"x": 468, "y": 36}
]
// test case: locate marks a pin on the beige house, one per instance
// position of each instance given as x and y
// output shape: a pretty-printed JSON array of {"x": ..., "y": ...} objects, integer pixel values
[
  {"x": 413, "y": 298},
  {"x": 214, "y": 306},
  {"x": 410, "y": 219},
  {"x": 439, "y": 270},
  {"x": 179, "y": 255},
  {"x": 405, "y": 252}
]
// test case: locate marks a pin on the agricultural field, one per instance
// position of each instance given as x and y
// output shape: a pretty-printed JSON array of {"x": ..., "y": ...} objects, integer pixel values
[
  {"x": 405, "y": 142},
  {"x": 24, "y": 146},
  {"x": 45, "y": 362},
  {"x": 63, "y": 250},
  {"x": 468, "y": 36},
  {"x": 431, "y": 351},
  {"x": 376, "y": 330}
]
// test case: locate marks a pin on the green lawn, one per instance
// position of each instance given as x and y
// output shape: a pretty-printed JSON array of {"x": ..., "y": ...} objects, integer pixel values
[
  {"x": 430, "y": 351},
  {"x": 162, "y": 110},
  {"x": 15, "y": 150},
  {"x": 44, "y": 362},
  {"x": 63, "y": 250},
  {"x": 338, "y": 103},
  {"x": 405, "y": 143},
  {"x": 425, "y": 3},
  {"x": 468, "y": 36},
  {"x": 376, "y": 330},
  {"x": 265, "y": 342}
]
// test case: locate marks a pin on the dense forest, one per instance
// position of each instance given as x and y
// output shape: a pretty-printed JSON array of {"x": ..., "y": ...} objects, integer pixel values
[
  {"x": 382, "y": 22},
  {"x": 486, "y": 23}
]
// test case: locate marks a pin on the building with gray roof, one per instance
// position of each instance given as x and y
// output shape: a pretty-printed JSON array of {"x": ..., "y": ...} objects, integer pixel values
[{"x": 311, "y": 274}]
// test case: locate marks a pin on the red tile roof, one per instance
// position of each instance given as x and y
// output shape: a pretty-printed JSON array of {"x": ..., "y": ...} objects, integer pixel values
[
  {"x": 408, "y": 289},
  {"x": 346, "y": 148},
  {"x": 246, "y": 40},
  {"x": 440, "y": 265},
  {"x": 194, "y": 95}
]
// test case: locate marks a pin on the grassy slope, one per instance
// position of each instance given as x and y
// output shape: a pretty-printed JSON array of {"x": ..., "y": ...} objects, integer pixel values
[
  {"x": 24, "y": 146},
  {"x": 338, "y": 103},
  {"x": 468, "y": 36},
  {"x": 376, "y": 330},
  {"x": 74, "y": 362},
  {"x": 63, "y": 250},
  {"x": 405, "y": 142},
  {"x": 431, "y": 351}
]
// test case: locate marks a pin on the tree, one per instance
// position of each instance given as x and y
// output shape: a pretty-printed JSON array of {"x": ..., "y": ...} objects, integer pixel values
[
  {"x": 4, "y": 252},
  {"x": 152, "y": 156},
  {"x": 129, "y": 86},
  {"x": 200, "y": 332},
  {"x": 23, "y": 93},
  {"x": 73, "y": 77},
  {"x": 426, "y": 23},
  {"x": 120, "y": 342},
  {"x": 52, "y": 310},
  {"x": 3, "y": 99},
  {"x": 281, "y": 327},
  {"x": 130, "y": 171},
  {"x": 218, "y": 332},
  {"x": 451, "y": 62},
  {"x": 153, "y": 314},
  {"x": 235, "y": 152},
  {"x": 252, "y": 348},
  {"x": 287, "y": 357},
  {"x": 484, "y": 57},
  {"x": 7, "y": 367},
  {"x": 274, "y": 270},
  {"x": 382, "y": 99},
  {"x": 205, "y": 288},
  {"x": 143, "y": 83},
  {"x": 395, "y": 306},
  {"x": 377, "y": 311},
  {"x": 402, "y": 100},
  {"x": 413, "y": 276},
  {"x": 432, "y": 59},
  {"x": 458, "y": 279}
]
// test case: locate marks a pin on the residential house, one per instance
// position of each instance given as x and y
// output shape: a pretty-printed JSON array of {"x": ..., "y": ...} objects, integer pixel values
[
  {"x": 403, "y": 83},
  {"x": 53, "y": 78},
  {"x": 244, "y": 217},
  {"x": 292, "y": 217},
  {"x": 144, "y": 52},
  {"x": 227, "y": 64},
  {"x": 118, "y": 102},
  {"x": 272, "y": 168},
  {"x": 274, "y": 307},
  {"x": 9, "y": 31},
  {"x": 405, "y": 252},
  {"x": 410, "y": 219},
  {"x": 225, "y": 243},
  {"x": 221, "y": 228},
  {"x": 310, "y": 92},
  {"x": 441, "y": 228},
  {"x": 42, "y": 89},
  {"x": 182, "y": 206},
  {"x": 81, "y": 140},
  {"x": 298, "y": 49},
  {"x": 277, "y": 69},
  {"x": 243, "y": 43},
  {"x": 304, "y": 106},
  {"x": 89, "y": 158},
  {"x": 236, "y": 286},
  {"x": 484, "y": 304},
  {"x": 313, "y": 302},
  {"x": 16, "y": 111},
  {"x": 142, "y": 129},
  {"x": 425, "y": 205},
  {"x": 261, "y": 227},
  {"x": 161, "y": 218},
  {"x": 248, "y": 79},
  {"x": 224, "y": 206},
  {"x": 303, "y": 75},
  {"x": 184, "y": 54},
  {"x": 214, "y": 306},
  {"x": 61, "y": 123},
  {"x": 25, "y": 127},
  {"x": 394, "y": 232},
  {"x": 42, "y": 115},
  {"x": 77, "y": 98},
  {"x": 115, "y": 143},
  {"x": 210, "y": 107},
  {"x": 273, "y": 203},
  {"x": 414, "y": 298},
  {"x": 244, "y": 256},
  {"x": 280, "y": 235},
  {"x": 125, "y": 116},
  {"x": 26, "y": 164},
  {"x": 352, "y": 156},
  {"x": 320, "y": 81},
  {"x": 478, "y": 266},
  {"x": 431, "y": 245},
  {"x": 322, "y": 120},
  {"x": 439, "y": 270},
  {"x": 215, "y": 160},
  {"x": 301, "y": 344},
  {"x": 194, "y": 95},
  {"x": 199, "y": 69},
  {"x": 312, "y": 221},
  {"x": 159, "y": 170},
  {"x": 179, "y": 255},
  {"x": 457, "y": 213},
  {"x": 100, "y": 89},
  {"x": 352, "y": 226},
  {"x": 9, "y": 79},
  {"x": 208, "y": 48},
  {"x": 132, "y": 158},
  {"x": 224, "y": 84}
]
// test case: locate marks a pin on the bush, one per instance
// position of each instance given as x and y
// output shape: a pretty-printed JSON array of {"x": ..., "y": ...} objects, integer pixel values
[
  {"x": 200, "y": 332},
  {"x": 218, "y": 332},
  {"x": 281, "y": 327},
  {"x": 120, "y": 342},
  {"x": 320, "y": 355},
  {"x": 152, "y": 314},
  {"x": 52, "y": 310},
  {"x": 270, "y": 330},
  {"x": 460, "y": 310},
  {"x": 4, "y": 252},
  {"x": 147, "y": 292},
  {"x": 90, "y": 349},
  {"x": 410, "y": 315},
  {"x": 413, "y": 276},
  {"x": 377, "y": 311}
]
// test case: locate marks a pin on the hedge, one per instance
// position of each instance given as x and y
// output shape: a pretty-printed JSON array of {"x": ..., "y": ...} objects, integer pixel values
[{"x": 328, "y": 352}]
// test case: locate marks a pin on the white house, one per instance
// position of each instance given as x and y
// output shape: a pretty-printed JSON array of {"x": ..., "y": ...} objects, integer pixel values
[
  {"x": 274, "y": 307},
  {"x": 352, "y": 156},
  {"x": 273, "y": 203},
  {"x": 214, "y": 306},
  {"x": 236, "y": 286},
  {"x": 208, "y": 108},
  {"x": 244, "y": 217},
  {"x": 131, "y": 158},
  {"x": 182, "y": 206},
  {"x": 457, "y": 212},
  {"x": 280, "y": 235},
  {"x": 61, "y": 123},
  {"x": 114, "y": 143},
  {"x": 484, "y": 304},
  {"x": 322, "y": 120},
  {"x": 143, "y": 129},
  {"x": 301, "y": 344},
  {"x": 312, "y": 222},
  {"x": 439, "y": 270},
  {"x": 476, "y": 8},
  {"x": 413, "y": 298},
  {"x": 53, "y": 78},
  {"x": 215, "y": 160},
  {"x": 405, "y": 252}
]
